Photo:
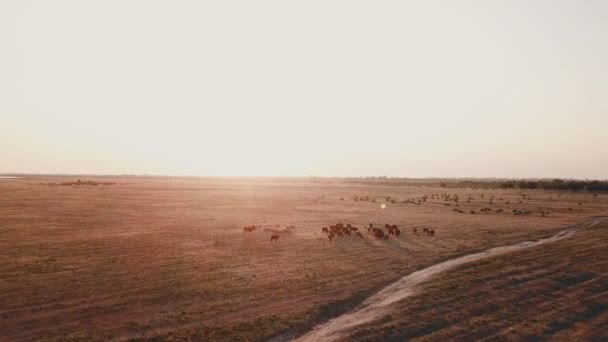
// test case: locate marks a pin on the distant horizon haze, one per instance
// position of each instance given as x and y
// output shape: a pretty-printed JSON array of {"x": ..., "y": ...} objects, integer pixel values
[{"x": 418, "y": 89}]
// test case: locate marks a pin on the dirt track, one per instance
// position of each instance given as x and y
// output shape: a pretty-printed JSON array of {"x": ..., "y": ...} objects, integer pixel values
[{"x": 378, "y": 305}]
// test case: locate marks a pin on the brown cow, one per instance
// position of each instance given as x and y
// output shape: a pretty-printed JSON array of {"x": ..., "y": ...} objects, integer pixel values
[
  {"x": 397, "y": 232},
  {"x": 379, "y": 234},
  {"x": 359, "y": 235},
  {"x": 330, "y": 236},
  {"x": 324, "y": 230},
  {"x": 432, "y": 232},
  {"x": 274, "y": 237}
]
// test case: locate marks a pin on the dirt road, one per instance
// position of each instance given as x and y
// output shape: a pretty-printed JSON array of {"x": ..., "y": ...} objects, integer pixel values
[{"x": 378, "y": 305}]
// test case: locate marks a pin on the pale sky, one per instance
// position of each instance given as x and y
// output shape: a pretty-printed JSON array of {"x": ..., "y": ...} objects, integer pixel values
[{"x": 286, "y": 88}]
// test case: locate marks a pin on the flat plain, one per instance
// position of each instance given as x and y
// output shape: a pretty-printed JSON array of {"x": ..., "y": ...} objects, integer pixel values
[{"x": 167, "y": 259}]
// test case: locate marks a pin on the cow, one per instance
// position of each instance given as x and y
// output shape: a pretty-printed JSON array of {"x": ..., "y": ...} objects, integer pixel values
[
  {"x": 379, "y": 234},
  {"x": 432, "y": 232},
  {"x": 324, "y": 230},
  {"x": 359, "y": 235},
  {"x": 249, "y": 229},
  {"x": 426, "y": 231},
  {"x": 330, "y": 236},
  {"x": 275, "y": 237},
  {"x": 397, "y": 232}
]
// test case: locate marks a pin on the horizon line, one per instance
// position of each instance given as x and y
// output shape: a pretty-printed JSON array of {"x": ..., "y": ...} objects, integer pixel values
[{"x": 146, "y": 175}]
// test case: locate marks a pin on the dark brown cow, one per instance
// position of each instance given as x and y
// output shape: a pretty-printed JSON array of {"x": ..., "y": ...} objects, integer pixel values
[
  {"x": 397, "y": 232},
  {"x": 324, "y": 230},
  {"x": 379, "y": 234},
  {"x": 275, "y": 237},
  {"x": 432, "y": 232},
  {"x": 330, "y": 236},
  {"x": 249, "y": 229}
]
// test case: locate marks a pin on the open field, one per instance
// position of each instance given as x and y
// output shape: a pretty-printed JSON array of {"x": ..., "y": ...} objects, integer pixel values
[
  {"x": 557, "y": 291},
  {"x": 127, "y": 258}
]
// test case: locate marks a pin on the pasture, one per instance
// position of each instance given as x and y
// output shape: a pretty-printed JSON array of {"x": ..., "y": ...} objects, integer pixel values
[{"x": 170, "y": 258}]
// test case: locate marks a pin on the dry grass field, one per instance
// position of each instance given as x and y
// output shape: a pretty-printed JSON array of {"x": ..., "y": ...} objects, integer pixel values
[
  {"x": 167, "y": 259},
  {"x": 556, "y": 292}
]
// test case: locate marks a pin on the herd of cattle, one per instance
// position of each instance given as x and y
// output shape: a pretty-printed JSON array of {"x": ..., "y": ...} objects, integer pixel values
[{"x": 340, "y": 230}]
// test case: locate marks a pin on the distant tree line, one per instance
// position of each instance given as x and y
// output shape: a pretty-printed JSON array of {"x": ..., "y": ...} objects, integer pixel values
[{"x": 558, "y": 184}]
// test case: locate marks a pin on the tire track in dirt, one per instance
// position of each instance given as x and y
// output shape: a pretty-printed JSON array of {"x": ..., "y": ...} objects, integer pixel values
[{"x": 378, "y": 305}]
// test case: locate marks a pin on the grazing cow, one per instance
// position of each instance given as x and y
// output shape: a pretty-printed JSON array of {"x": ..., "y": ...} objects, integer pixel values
[
  {"x": 249, "y": 229},
  {"x": 425, "y": 231},
  {"x": 432, "y": 232},
  {"x": 359, "y": 235},
  {"x": 324, "y": 230},
  {"x": 275, "y": 237},
  {"x": 379, "y": 234},
  {"x": 330, "y": 236}
]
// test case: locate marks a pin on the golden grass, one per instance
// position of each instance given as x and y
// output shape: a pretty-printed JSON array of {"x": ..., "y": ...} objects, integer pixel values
[
  {"x": 167, "y": 258},
  {"x": 557, "y": 291}
]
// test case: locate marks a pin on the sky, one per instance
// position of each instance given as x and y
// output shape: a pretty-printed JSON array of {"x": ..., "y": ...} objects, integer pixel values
[{"x": 297, "y": 88}]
